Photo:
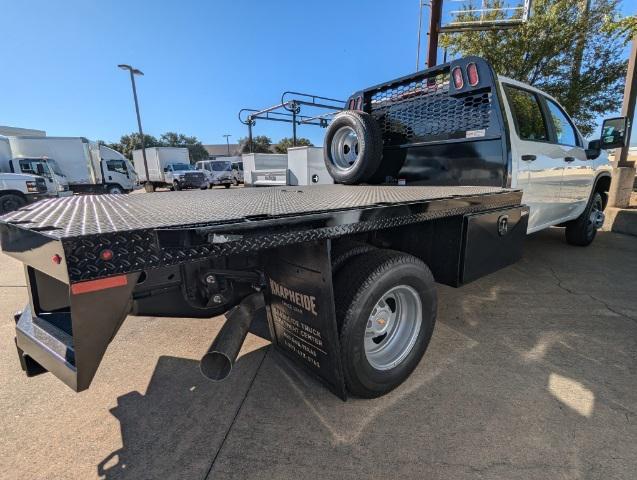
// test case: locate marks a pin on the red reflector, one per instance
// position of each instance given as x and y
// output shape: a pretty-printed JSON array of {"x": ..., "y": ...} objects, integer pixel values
[
  {"x": 458, "y": 81},
  {"x": 96, "y": 285},
  {"x": 472, "y": 74},
  {"x": 106, "y": 255},
  {"x": 56, "y": 259}
]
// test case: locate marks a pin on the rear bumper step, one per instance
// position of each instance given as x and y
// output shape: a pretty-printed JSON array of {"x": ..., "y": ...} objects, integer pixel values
[{"x": 42, "y": 347}]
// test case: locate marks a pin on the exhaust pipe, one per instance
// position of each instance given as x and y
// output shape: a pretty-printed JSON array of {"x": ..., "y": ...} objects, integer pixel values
[{"x": 217, "y": 363}]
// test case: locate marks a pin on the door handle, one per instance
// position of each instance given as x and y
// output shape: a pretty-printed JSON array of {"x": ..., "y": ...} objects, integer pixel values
[
  {"x": 569, "y": 159},
  {"x": 528, "y": 158}
]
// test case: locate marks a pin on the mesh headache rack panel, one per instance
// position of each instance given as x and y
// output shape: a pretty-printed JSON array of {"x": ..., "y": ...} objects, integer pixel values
[{"x": 423, "y": 107}]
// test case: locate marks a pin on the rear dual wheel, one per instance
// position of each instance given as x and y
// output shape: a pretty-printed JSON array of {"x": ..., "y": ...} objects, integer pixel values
[{"x": 386, "y": 309}]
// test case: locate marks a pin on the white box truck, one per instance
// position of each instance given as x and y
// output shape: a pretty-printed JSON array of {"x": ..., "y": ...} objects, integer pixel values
[
  {"x": 87, "y": 166},
  {"x": 306, "y": 166},
  {"x": 169, "y": 167}
]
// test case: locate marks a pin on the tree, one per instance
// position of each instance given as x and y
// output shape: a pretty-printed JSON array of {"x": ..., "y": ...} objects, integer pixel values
[
  {"x": 132, "y": 141},
  {"x": 285, "y": 143},
  {"x": 194, "y": 146},
  {"x": 570, "y": 49},
  {"x": 260, "y": 144}
]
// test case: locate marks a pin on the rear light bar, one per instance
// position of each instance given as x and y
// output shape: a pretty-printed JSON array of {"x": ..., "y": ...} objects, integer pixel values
[
  {"x": 458, "y": 80},
  {"x": 472, "y": 74}
]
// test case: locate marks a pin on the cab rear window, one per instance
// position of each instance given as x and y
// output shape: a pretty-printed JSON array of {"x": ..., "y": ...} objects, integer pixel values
[{"x": 527, "y": 114}]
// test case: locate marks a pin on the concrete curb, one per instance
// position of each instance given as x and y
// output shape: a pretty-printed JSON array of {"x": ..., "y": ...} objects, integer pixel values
[{"x": 621, "y": 220}]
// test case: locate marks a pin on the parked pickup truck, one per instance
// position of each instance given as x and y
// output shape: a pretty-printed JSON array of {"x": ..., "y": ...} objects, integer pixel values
[
  {"x": 461, "y": 124},
  {"x": 218, "y": 172},
  {"x": 342, "y": 277},
  {"x": 18, "y": 190}
]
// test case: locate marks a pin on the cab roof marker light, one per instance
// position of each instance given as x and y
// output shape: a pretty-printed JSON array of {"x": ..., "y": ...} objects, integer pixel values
[
  {"x": 458, "y": 80},
  {"x": 472, "y": 74}
]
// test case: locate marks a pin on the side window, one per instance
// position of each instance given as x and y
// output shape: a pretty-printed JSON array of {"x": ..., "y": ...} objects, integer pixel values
[
  {"x": 118, "y": 166},
  {"x": 527, "y": 114},
  {"x": 27, "y": 167},
  {"x": 564, "y": 129}
]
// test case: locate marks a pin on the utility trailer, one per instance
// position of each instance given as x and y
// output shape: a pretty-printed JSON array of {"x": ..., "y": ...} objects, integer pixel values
[{"x": 344, "y": 273}]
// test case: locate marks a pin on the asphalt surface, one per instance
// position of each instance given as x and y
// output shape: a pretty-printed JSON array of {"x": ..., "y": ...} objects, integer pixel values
[{"x": 531, "y": 374}]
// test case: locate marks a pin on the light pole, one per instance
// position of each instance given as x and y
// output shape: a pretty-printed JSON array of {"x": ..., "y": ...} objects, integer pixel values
[
  {"x": 134, "y": 71},
  {"x": 227, "y": 135}
]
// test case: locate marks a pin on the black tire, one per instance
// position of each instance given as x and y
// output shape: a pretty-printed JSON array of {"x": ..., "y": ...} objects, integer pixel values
[
  {"x": 176, "y": 186},
  {"x": 227, "y": 185},
  {"x": 357, "y": 288},
  {"x": 344, "y": 250},
  {"x": 11, "y": 202},
  {"x": 368, "y": 147},
  {"x": 581, "y": 231},
  {"x": 115, "y": 190}
]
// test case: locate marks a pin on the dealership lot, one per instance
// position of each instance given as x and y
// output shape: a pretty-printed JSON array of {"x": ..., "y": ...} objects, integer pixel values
[{"x": 531, "y": 373}]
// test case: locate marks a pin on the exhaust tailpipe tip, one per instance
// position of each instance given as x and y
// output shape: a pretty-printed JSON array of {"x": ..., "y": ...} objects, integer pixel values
[
  {"x": 217, "y": 363},
  {"x": 216, "y": 366}
]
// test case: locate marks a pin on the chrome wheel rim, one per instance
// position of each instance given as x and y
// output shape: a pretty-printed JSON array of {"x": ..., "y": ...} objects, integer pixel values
[
  {"x": 392, "y": 327},
  {"x": 596, "y": 218},
  {"x": 344, "y": 148}
]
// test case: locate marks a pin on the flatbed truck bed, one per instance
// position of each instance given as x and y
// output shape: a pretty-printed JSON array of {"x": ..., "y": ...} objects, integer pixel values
[{"x": 91, "y": 260}]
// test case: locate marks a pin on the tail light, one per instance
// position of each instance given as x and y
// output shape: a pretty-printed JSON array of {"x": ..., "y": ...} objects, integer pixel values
[
  {"x": 351, "y": 105},
  {"x": 359, "y": 103},
  {"x": 458, "y": 81},
  {"x": 472, "y": 74}
]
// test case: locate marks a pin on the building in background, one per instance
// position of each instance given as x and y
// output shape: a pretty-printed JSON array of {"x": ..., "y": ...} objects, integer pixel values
[
  {"x": 221, "y": 150},
  {"x": 18, "y": 132}
]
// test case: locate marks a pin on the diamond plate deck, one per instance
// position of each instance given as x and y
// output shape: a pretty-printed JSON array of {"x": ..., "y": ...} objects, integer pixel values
[
  {"x": 85, "y": 215},
  {"x": 144, "y": 231}
]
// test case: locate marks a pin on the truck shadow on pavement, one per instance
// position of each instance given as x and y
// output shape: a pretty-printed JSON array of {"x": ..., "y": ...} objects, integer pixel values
[{"x": 176, "y": 427}]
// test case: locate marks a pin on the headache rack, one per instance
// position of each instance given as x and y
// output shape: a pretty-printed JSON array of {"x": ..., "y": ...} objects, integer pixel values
[{"x": 427, "y": 106}]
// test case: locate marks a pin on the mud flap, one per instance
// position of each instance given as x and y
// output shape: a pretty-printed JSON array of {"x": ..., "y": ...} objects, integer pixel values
[{"x": 300, "y": 308}]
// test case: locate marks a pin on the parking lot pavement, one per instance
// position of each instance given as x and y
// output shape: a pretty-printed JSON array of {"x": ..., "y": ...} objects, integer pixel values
[{"x": 531, "y": 374}]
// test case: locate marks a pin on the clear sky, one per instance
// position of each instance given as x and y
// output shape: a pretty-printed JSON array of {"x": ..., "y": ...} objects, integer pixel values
[{"x": 202, "y": 60}]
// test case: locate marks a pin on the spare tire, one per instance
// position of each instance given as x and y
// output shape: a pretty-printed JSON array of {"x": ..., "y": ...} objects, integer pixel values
[{"x": 353, "y": 147}]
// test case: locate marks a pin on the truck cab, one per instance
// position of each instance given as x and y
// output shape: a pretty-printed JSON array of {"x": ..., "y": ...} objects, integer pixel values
[
  {"x": 17, "y": 190},
  {"x": 117, "y": 172},
  {"x": 181, "y": 175},
  {"x": 48, "y": 168},
  {"x": 460, "y": 123},
  {"x": 218, "y": 172},
  {"x": 550, "y": 163}
]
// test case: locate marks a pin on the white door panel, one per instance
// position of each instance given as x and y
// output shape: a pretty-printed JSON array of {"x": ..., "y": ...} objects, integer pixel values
[{"x": 542, "y": 192}]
